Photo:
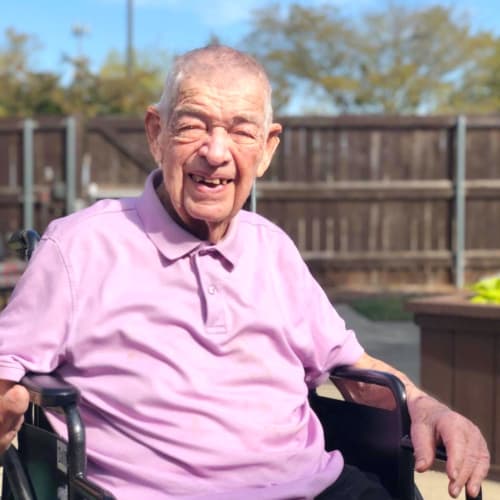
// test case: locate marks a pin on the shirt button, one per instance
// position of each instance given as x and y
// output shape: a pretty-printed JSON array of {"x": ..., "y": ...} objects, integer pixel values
[{"x": 212, "y": 290}]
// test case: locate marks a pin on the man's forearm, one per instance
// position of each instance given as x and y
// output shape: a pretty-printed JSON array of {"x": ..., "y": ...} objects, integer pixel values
[{"x": 374, "y": 395}]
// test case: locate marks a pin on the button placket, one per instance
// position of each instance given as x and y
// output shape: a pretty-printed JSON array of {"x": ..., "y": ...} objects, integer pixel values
[{"x": 215, "y": 318}]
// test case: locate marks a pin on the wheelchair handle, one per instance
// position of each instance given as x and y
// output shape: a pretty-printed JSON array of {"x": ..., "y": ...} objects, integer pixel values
[
  {"x": 23, "y": 243},
  {"x": 381, "y": 378},
  {"x": 377, "y": 377},
  {"x": 50, "y": 391}
]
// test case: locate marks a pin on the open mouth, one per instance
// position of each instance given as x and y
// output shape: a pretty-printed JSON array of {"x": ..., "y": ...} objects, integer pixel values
[{"x": 209, "y": 182}]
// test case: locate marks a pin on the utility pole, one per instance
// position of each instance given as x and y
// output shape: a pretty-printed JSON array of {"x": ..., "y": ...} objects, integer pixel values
[
  {"x": 130, "y": 49},
  {"x": 79, "y": 31}
]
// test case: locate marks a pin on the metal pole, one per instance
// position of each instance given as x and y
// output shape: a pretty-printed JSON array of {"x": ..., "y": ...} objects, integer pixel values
[
  {"x": 28, "y": 166},
  {"x": 461, "y": 148},
  {"x": 130, "y": 50},
  {"x": 70, "y": 164},
  {"x": 253, "y": 198}
]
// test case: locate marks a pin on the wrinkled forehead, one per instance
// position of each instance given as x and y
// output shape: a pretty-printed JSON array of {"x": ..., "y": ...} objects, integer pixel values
[
  {"x": 214, "y": 67},
  {"x": 230, "y": 88}
]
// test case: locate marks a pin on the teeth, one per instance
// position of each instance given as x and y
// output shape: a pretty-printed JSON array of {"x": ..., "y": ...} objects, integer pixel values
[{"x": 213, "y": 182}]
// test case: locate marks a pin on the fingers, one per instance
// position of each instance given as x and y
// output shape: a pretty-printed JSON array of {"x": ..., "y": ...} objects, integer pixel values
[
  {"x": 455, "y": 441},
  {"x": 14, "y": 400},
  {"x": 474, "y": 467},
  {"x": 477, "y": 477},
  {"x": 424, "y": 412},
  {"x": 471, "y": 477},
  {"x": 423, "y": 446},
  {"x": 468, "y": 457}
]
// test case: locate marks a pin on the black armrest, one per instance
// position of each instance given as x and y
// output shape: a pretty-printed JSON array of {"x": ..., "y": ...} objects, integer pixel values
[
  {"x": 376, "y": 377},
  {"x": 50, "y": 391}
]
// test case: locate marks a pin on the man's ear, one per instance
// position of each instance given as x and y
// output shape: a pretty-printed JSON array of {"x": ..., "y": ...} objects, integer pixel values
[
  {"x": 152, "y": 124},
  {"x": 272, "y": 142}
]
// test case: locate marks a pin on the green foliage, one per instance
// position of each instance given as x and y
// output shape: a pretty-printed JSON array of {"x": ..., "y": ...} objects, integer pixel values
[
  {"x": 478, "y": 89},
  {"x": 410, "y": 55},
  {"x": 394, "y": 59},
  {"x": 305, "y": 45},
  {"x": 116, "y": 89},
  {"x": 113, "y": 89},
  {"x": 487, "y": 291},
  {"x": 391, "y": 59},
  {"x": 23, "y": 91},
  {"x": 382, "y": 307}
]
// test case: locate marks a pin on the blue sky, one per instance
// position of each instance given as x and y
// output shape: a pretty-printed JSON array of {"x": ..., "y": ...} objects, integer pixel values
[{"x": 171, "y": 25}]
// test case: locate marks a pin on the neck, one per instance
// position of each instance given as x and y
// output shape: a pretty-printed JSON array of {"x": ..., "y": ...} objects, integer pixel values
[{"x": 199, "y": 228}]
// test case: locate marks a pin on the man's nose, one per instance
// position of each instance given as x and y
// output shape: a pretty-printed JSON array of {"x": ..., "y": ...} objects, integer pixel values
[{"x": 216, "y": 148}]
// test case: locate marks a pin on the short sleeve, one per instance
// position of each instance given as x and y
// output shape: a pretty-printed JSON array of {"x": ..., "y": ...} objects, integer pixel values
[
  {"x": 318, "y": 334},
  {"x": 35, "y": 324},
  {"x": 332, "y": 343}
]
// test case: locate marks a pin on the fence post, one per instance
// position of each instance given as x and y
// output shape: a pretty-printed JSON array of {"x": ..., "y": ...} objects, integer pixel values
[
  {"x": 70, "y": 164},
  {"x": 253, "y": 198},
  {"x": 460, "y": 167},
  {"x": 28, "y": 167}
]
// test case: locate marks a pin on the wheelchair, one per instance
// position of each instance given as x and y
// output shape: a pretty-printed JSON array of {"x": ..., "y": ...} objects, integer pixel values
[{"x": 46, "y": 467}]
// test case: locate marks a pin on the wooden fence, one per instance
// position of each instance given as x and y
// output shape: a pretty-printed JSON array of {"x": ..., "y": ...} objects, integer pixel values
[{"x": 370, "y": 201}]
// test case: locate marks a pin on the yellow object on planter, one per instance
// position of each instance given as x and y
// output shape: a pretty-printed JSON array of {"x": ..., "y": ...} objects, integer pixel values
[{"x": 487, "y": 291}]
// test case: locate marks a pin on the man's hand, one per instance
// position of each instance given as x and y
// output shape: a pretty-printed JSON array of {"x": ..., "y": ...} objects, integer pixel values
[
  {"x": 468, "y": 458},
  {"x": 433, "y": 423},
  {"x": 14, "y": 400}
]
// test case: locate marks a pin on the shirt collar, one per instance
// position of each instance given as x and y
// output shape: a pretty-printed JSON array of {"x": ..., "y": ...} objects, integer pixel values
[{"x": 171, "y": 239}]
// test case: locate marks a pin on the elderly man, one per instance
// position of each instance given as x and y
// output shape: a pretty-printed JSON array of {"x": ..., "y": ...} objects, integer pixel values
[{"x": 194, "y": 329}]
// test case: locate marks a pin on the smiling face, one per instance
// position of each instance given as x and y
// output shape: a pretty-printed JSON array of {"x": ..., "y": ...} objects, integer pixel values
[{"x": 212, "y": 146}]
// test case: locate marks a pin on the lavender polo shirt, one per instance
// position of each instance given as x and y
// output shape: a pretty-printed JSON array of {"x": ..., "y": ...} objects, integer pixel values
[{"x": 193, "y": 360}]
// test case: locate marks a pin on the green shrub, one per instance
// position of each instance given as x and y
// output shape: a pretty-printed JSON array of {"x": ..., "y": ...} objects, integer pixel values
[{"x": 382, "y": 307}]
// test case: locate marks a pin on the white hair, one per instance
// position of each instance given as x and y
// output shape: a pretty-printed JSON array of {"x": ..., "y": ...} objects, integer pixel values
[{"x": 213, "y": 57}]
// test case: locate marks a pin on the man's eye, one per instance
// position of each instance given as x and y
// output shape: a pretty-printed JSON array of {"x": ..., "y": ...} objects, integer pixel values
[
  {"x": 190, "y": 130},
  {"x": 191, "y": 126},
  {"x": 243, "y": 135}
]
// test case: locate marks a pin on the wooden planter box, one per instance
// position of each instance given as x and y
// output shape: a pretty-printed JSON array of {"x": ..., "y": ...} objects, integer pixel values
[{"x": 460, "y": 361}]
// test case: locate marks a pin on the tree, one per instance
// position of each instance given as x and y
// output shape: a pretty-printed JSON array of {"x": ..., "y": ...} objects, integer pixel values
[
  {"x": 395, "y": 59},
  {"x": 24, "y": 92},
  {"x": 410, "y": 59},
  {"x": 304, "y": 47},
  {"x": 111, "y": 90},
  {"x": 478, "y": 88},
  {"x": 80, "y": 93},
  {"x": 15, "y": 54},
  {"x": 117, "y": 93}
]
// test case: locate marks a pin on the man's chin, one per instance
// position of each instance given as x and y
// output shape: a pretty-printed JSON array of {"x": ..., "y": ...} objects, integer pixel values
[
  {"x": 211, "y": 215},
  {"x": 212, "y": 221}
]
